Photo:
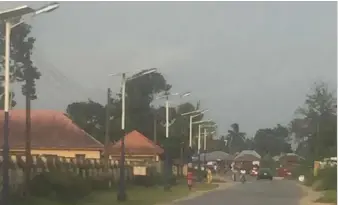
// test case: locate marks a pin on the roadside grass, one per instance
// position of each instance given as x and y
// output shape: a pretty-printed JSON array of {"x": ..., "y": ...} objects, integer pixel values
[
  {"x": 329, "y": 196},
  {"x": 137, "y": 195},
  {"x": 147, "y": 196}
]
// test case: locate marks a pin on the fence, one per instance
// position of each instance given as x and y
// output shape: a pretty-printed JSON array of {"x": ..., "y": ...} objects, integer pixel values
[{"x": 82, "y": 167}]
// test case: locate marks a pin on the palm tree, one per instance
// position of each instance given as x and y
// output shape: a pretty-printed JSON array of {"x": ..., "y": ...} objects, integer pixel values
[{"x": 235, "y": 137}]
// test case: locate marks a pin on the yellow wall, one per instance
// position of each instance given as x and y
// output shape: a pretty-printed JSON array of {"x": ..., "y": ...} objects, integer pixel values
[{"x": 65, "y": 153}]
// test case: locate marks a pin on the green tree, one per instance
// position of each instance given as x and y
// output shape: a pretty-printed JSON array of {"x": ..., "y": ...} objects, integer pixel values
[
  {"x": 236, "y": 139},
  {"x": 22, "y": 68},
  {"x": 140, "y": 92},
  {"x": 272, "y": 141},
  {"x": 90, "y": 116},
  {"x": 315, "y": 127}
]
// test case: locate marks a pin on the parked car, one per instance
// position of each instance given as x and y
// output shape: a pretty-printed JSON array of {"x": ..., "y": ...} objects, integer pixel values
[{"x": 264, "y": 173}]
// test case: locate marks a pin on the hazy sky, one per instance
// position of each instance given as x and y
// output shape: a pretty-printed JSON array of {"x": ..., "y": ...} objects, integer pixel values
[{"x": 250, "y": 63}]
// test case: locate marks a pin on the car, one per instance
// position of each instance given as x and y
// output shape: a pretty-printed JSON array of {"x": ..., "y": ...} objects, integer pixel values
[{"x": 264, "y": 173}]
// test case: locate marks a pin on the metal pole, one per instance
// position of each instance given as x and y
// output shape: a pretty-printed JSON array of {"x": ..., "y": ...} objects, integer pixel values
[
  {"x": 28, "y": 138},
  {"x": 316, "y": 140},
  {"x": 205, "y": 145},
  {"x": 155, "y": 127},
  {"x": 106, "y": 140},
  {"x": 5, "y": 190},
  {"x": 166, "y": 164},
  {"x": 199, "y": 153},
  {"x": 167, "y": 117},
  {"x": 121, "y": 195},
  {"x": 190, "y": 132}
]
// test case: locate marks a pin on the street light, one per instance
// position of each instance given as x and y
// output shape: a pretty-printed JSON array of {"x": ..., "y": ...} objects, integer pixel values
[
  {"x": 121, "y": 194},
  {"x": 167, "y": 124},
  {"x": 12, "y": 18},
  {"x": 200, "y": 112},
  {"x": 205, "y": 139},
  {"x": 199, "y": 145}
]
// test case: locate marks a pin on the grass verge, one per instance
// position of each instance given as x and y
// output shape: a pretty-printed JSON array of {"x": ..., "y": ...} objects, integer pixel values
[
  {"x": 329, "y": 196},
  {"x": 137, "y": 195}
]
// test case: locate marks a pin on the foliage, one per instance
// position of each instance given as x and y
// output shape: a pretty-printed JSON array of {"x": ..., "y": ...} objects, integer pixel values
[
  {"x": 236, "y": 139},
  {"x": 272, "y": 141},
  {"x": 90, "y": 116},
  {"x": 329, "y": 196},
  {"x": 21, "y": 65},
  {"x": 328, "y": 176},
  {"x": 62, "y": 185},
  {"x": 315, "y": 127},
  {"x": 140, "y": 114}
]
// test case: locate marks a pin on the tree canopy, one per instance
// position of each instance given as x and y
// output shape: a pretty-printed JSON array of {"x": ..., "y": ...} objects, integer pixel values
[
  {"x": 22, "y": 68},
  {"x": 315, "y": 125},
  {"x": 140, "y": 114}
]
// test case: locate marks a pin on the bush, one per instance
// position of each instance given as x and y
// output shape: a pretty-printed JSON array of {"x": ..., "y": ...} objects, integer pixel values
[
  {"x": 62, "y": 185},
  {"x": 101, "y": 183},
  {"x": 328, "y": 176}
]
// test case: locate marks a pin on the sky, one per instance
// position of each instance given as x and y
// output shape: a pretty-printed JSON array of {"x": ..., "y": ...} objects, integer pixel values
[{"x": 248, "y": 62}]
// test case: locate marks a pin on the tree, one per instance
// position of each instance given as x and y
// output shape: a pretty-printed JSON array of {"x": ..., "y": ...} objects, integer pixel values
[
  {"x": 90, "y": 116},
  {"x": 315, "y": 127},
  {"x": 236, "y": 139},
  {"x": 21, "y": 65},
  {"x": 272, "y": 141}
]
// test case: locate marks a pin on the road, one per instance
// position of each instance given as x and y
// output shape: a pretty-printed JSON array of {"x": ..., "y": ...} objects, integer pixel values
[{"x": 277, "y": 192}]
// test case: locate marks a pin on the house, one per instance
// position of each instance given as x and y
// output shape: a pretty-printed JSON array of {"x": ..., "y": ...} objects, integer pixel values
[
  {"x": 52, "y": 133},
  {"x": 246, "y": 158},
  {"x": 137, "y": 148},
  {"x": 289, "y": 159}
]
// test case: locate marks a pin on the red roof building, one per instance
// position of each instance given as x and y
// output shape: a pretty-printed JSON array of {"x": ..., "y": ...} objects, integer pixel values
[
  {"x": 52, "y": 133},
  {"x": 136, "y": 144}
]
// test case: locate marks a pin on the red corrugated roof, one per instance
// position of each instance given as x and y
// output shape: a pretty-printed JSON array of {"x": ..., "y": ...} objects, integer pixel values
[
  {"x": 136, "y": 143},
  {"x": 49, "y": 130}
]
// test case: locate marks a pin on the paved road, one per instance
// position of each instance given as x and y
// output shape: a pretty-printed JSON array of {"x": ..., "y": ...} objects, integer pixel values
[{"x": 277, "y": 192}]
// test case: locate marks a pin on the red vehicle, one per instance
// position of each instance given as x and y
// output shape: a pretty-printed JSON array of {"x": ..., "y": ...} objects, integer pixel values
[
  {"x": 254, "y": 171},
  {"x": 283, "y": 172}
]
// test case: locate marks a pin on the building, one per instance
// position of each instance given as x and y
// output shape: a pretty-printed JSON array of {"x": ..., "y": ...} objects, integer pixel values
[
  {"x": 289, "y": 159},
  {"x": 52, "y": 133},
  {"x": 137, "y": 148},
  {"x": 247, "y": 158}
]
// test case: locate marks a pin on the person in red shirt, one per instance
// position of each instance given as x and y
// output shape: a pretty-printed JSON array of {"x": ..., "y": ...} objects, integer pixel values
[{"x": 189, "y": 178}]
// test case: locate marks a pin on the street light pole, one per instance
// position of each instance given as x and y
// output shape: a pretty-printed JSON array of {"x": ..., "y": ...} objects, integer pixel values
[
  {"x": 200, "y": 112},
  {"x": 121, "y": 195},
  {"x": 8, "y": 17},
  {"x": 190, "y": 132},
  {"x": 166, "y": 165},
  {"x": 205, "y": 145},
  {"x": 167, "y": 169},
  {"x": 5, "y": 191},
  {"x": 199, "y": 152}
]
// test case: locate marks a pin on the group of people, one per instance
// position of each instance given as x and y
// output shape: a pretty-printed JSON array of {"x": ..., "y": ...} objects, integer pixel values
[{"x": 235, "y": 168}]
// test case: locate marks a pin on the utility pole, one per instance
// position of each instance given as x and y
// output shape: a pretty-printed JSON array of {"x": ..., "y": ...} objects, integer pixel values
[
  {"x": 106, "y": 138},
  {"x": 155, "y": 127},
  {"x": 29, "y": 85}
]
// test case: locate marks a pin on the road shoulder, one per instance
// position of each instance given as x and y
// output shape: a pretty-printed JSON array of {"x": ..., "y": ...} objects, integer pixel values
[
  {"x": 310, "y": 196},
  {"x": 221, "y": 186}
]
